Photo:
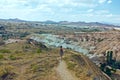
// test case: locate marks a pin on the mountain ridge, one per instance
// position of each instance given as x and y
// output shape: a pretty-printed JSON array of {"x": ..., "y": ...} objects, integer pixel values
[{"x": 77, "y": 23}]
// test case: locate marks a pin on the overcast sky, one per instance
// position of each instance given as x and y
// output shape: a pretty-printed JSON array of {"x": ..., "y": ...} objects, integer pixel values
[{"x": 61, "y": 10}]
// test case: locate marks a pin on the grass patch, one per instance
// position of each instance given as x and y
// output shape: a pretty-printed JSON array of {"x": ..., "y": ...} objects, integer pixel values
[
  {"x": 71, "y": 65},
  {"x": 34, "y": 67},
  {"x": 26, "y": 47},
  {"x": 5, "y": 51},
  {"x": 39, "y": 51},
  {"x": 17, "y": 51},
  {"x": 1, "y": 56},
  {"x": 5, "y": 70},
  {"x": 38, "y": 63},
  {"x": 12, "y": 57}
]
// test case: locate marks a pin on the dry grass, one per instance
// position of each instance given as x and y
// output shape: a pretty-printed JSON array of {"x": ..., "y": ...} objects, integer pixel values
[
  {"x": 6, "y": 72},
  {"x": 82, "y": 67},
  {"x": 26, "y": 63}
]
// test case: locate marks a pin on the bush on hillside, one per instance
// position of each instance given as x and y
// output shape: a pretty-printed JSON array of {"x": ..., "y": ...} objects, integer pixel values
[
  {"x": 6, "y": 72},
  {"x": 1, "y": 56},
  {"x": 39, "y": 50},
  {"x": 12, "y": 57},
  {"x": 5, "y": 51}
]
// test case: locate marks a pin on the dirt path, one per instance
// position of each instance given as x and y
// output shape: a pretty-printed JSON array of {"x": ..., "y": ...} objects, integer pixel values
[
  {"x": 22, "y": 70},
  {"x": 63, "y": 72}
]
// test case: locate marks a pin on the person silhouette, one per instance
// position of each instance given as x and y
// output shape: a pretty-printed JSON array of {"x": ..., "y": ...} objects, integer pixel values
[{"x": 61, "y": 52}]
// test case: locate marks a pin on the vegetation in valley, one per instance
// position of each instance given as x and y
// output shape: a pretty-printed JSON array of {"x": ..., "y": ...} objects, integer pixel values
[{"x": 32, "y": 61}]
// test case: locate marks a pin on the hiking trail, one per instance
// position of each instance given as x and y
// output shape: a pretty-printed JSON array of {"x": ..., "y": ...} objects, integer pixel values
[{"x": 63, "y": 72}]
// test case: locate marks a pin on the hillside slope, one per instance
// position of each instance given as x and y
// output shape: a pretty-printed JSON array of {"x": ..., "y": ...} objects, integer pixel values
[
  {"x": 24, "y": 61},
  {"x": 82, "y": 67}
]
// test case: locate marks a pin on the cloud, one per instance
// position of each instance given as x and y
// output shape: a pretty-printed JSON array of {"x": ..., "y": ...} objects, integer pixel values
[
  {"x": 104, "y": 1},
  {"x": 56, "y": 9},
  {"x": 101, "y": 12},
  {"x": 90, "y": 10},
  {"x": 49, "y": 6},
  {"x": 109, "y": 1},
  {"x": 25, "y": 4},
  {"x": 113, "y": 18},
  {"x": 109, "y": 15},
  {"x": 101, "y": 1}
]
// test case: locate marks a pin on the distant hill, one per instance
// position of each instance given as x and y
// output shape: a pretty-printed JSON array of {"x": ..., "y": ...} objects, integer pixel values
[
  {"x": 50, "y": 22},
  {"x": 12, "y": 20},
  {"x": 92, "y": 24},
  {"x": 79, "y": 23}
]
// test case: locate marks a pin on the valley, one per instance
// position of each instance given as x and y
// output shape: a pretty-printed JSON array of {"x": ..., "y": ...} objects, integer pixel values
[{"x": 30, "y": 50}]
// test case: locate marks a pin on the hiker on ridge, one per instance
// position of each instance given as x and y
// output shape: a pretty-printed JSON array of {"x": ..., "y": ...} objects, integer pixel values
[{"x": 61, "y": 52}]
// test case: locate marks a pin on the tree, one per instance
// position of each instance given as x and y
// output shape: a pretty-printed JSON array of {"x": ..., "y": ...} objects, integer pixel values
[
  {"x": 109, "y": 57},
  {"x": 102, "y": 66},
  {"x": 108, "y": 71}
]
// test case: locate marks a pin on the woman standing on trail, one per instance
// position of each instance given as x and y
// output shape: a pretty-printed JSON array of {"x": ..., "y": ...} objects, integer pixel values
[{"x": 61, "y": 52}]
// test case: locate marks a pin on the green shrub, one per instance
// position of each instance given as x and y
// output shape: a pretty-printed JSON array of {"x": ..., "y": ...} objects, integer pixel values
[
  {"x": 34, "y": 67},
  {"x": 1, "y": 56},
  {"x": 39, "y": 50},
  {"x": 117, "y": 65},
  {"x": 108, "y": 71},
  {"x": 71, "y": 65},
  {"x": 26, "y": 47},
  {"x": 12, "y": 57},
  {"x": 17, "y": 51},
  {"x": 4, "y": 70},
  {"x": 4, "y": 51}
]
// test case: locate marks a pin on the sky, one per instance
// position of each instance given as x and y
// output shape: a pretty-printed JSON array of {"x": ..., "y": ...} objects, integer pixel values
[{"x": 61, "y": 10}]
